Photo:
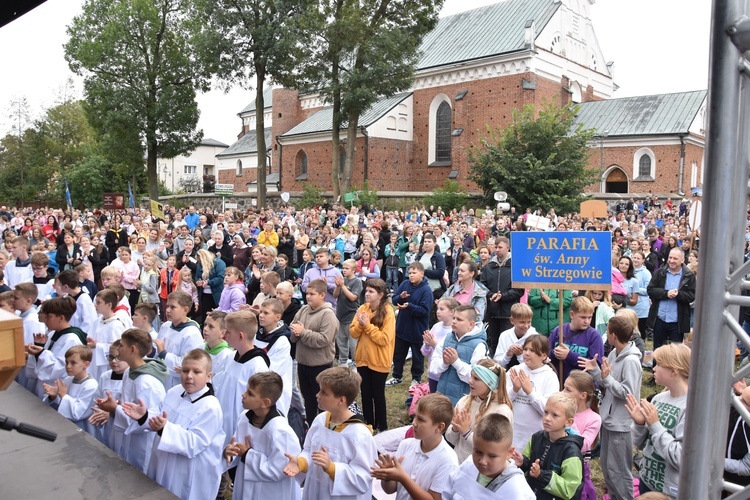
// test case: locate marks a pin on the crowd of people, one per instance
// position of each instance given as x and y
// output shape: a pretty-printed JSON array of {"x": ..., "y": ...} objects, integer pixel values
[{"x": 252, "y": 350}]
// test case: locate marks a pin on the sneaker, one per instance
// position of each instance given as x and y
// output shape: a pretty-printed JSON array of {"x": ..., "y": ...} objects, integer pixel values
[
  {"x": 414, "y": 383},
  {"x": 352, "y": 365},
  {"x": 393, "y": 381}
]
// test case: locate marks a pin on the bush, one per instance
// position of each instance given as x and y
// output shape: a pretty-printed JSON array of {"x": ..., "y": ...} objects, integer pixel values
[
  {"x": 366, "y": 196},
  {"x": 447, "y": 197},
  {"x": 312, "y": 196}
]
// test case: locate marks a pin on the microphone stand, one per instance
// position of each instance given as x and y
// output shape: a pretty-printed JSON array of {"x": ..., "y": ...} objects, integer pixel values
[{"x": 10, "y": 424}]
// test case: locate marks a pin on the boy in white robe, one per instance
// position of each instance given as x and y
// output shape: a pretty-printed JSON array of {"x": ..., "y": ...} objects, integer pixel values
[
  {"x": 273, "y": 337},
  {"x": 143, "y": 381},
  {"x": 106, "y": 329},
  {"x": 24, "y": 296},
  {"x": 109, "y": 381},
  {"x": 178, "y": 336},
  {"x": 186, "y": 455},
  {"x": 248, "y": 360},
  {"x": 47, "y": 353},
  {"x": 73, "y": 395},
  {"x": 339, "y": 449},
  {"x": 85, "y": 316},
  {"x": 45, "y": 284},
  {"x": 110, "y": 279},
  {"x": 214, "y": 330},
  {"x": 19, "y": 269},
  {"x": 263, "y": 438}
]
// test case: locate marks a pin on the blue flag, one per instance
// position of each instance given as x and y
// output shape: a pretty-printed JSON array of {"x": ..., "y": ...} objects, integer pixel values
[
  {"x": 130, "y": 195},
  {"x": 68, "y": 200}
]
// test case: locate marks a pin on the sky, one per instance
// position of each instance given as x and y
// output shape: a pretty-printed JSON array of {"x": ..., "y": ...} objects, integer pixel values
[{"x": 658, "y": 46}]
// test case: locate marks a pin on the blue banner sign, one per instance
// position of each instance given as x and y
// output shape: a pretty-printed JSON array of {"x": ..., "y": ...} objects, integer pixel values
[{"x": 563, "y": 260}]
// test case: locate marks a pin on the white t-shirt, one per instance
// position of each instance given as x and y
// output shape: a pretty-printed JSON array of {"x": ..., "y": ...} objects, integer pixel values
[{"x": 429, "y": 470}]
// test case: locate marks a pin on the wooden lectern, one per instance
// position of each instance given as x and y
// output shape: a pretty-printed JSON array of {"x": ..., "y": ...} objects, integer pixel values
[{"x": 12, "y": 353}]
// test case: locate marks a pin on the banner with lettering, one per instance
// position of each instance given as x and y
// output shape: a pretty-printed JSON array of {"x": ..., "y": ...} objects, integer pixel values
[{"x": 563, "y": 260}]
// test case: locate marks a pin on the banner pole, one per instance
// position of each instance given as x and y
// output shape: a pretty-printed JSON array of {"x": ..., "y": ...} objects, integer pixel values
[{"x": 561, "y": 338}]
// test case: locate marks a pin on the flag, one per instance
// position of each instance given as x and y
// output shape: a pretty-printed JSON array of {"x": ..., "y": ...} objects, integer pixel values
[
  {"x": 157, "y": 209},
  {"x": 68, "y": 200},
  {"x": 130, "y": 195}
]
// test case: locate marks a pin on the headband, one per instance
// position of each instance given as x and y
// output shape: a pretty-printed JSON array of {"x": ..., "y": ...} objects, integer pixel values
[{"x": 486, "y": 375}]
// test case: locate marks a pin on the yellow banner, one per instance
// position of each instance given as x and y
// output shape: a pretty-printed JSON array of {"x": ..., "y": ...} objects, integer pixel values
[{"x": 157, "y": 209}]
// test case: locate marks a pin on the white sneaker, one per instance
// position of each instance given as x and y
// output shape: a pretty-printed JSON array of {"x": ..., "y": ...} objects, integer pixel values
[
  {"x": 414, "y": 383},
  {"x": 393, "y": 381}
]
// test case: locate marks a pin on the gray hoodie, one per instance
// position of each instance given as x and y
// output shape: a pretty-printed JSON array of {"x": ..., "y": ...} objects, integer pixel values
[{"x": 624, "y": 379}]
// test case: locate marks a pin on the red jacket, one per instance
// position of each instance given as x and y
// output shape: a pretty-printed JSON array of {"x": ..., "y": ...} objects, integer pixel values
[{"x": 167, "y": 286}]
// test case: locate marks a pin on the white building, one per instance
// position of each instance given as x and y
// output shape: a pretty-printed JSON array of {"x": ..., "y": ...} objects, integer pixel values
[{"x": 174, "y": 172}]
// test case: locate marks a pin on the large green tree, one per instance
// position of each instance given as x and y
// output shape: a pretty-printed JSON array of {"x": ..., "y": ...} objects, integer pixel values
[
  {"x": 540, "y": 160},
  {"x": 248, "y": 42},
  {"x": 365, "y": 50},
  {"x": 141, "y": 77}
]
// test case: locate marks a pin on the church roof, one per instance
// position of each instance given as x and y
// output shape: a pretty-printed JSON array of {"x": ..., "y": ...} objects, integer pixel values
[
  {"x": 213, "y": 142},
  {"x": 321, "y": 120},
  {"x": 267, "y": 101},
  {"x": 484, "y": 32},
  {"x": 247, "y": 144},
  {"x": 661, "y": 114}
]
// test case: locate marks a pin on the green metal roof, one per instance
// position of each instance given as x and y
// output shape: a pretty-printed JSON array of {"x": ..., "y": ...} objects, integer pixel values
[
  {"x": 267, "y": 101},
  {"x": 321, "y": 121},
  {"x": 661, "y": 114},
  {"x": 484, "y": 32},
  {"x": 247, "y": 144}
]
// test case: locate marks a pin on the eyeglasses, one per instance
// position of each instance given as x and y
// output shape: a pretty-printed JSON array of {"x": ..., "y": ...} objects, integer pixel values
[{"x": 111, "y": 358}]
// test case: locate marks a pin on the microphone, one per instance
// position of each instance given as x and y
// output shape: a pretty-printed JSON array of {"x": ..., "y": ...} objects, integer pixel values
[{"x": 10, "y": 424}]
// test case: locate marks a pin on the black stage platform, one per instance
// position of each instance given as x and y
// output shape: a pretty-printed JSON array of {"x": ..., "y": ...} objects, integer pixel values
[{"x": 76, "y": 466}]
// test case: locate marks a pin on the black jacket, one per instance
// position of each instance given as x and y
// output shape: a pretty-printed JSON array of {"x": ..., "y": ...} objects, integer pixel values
[
  {"x": 555, "y": 457},
  {"x": 225, "y": 253},
  {"x": 115, "y": 239},
  {"x": 685, "y": 296},
  {"x": 497, "y": 279},
  {"x": 437, "y": 269}
]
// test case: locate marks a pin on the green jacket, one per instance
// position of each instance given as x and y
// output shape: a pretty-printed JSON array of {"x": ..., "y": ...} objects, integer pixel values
[
  {"x": 546, "y": 316},
  {"x": 561, "y": 465}
]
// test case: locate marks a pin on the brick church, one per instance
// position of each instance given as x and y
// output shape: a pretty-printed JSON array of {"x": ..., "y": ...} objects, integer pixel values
[{"x": 476, "y": 68}]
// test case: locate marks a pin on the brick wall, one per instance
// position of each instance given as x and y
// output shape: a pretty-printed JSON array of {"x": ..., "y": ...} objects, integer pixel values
[{"x": 667, "y": 167}]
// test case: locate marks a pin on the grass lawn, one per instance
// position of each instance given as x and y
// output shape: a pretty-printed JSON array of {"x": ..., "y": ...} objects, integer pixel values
[{"x": 398, "y": 414}]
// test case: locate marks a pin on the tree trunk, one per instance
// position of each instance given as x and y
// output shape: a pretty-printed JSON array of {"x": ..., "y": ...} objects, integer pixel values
[
  {"x": 336, "y": 131},
  {"x": 351, "y": 148},
  {"x": 260, "y": 134},
  {"x": 151, "y": 174}
]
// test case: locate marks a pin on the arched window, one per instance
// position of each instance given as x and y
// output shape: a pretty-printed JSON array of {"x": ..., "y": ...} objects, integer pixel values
[
  {"x": 239, "y": 168},
  {"x": 300, "y": 165},
  {"x": 439, "y": 138},
  {"x": 644, "y": 165},
  {"x": 443, "y": 132}
]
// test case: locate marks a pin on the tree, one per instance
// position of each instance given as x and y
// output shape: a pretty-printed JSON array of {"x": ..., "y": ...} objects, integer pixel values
[
  {"x": 253, "y": 38},
  {"x": 540, "y": 161},
  {"x": 141, "y": 77},
  {"x": 365, "y": 51}
]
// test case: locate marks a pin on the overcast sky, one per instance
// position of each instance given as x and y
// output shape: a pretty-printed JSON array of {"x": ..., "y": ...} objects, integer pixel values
[{"x": 658, "y": 46}]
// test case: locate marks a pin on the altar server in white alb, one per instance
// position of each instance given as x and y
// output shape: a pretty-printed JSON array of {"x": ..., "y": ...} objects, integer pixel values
[
  {"x": 262, "y": 440},
  {"x": 66, "y": 283},
  {"x": 74, "y": 395},
  {"x": 47, "y": 353},
  {"x": 24, "y": 296},
  {"x": 106, "y": 329},
  {"x": 143, "y": 381},
  {"x": 241, "y": 327},
  {"x": 109, "y": 381},
  {"x": 339, "y": 449},
  {"x": 178, "y": 336},
  {"x": 186, "y": 455}
]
